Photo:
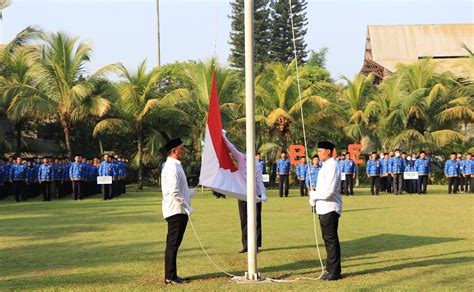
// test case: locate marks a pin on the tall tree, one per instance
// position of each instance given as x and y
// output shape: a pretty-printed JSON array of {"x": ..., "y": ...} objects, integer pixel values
[
  {"x": 282, "y": 37},
  {"x": 262, "y": 33}
]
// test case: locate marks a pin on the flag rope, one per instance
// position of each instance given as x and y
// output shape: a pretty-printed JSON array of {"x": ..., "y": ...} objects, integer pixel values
[{"x": 304, "y": 129}]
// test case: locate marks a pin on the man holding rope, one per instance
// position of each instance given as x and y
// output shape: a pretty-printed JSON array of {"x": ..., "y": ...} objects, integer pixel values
[{"x": 327, "y": 203}]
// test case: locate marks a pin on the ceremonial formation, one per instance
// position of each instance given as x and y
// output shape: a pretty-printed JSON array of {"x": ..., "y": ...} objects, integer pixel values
[{"x": 56, "y": 178}]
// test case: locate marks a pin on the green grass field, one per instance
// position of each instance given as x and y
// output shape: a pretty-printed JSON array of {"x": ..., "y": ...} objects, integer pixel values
[{"x": 388, "y": 242}]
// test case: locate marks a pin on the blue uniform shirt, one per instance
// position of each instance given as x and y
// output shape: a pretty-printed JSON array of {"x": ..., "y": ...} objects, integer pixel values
[
  {"x": 466, "y": 167},
  {"x": 18, "y": 172},
  {"x": 30, "y": 175},
  {"x": 301, "y": 170},
  {"x": 66, "y": 168},
  {"x": 283, "y": 166},
  {"x": 261, "y": 165},
  {"x": 471, "y": 165},
  {"x": 312, "y": 176},
  {"x": 422, "y": 166},
  {"x": 373, "y": 167},
  {"x": 384, "y": 166},
  {"x": 58, "y": 171},
  {"x": 93, "y": 172},
  {"x": 397, "y": 165},
  {"x": 409, "y": 165},
  {"x": 451, "y": 168},
  {"x": 45, "y": 172},
  {"x": 76, "y": 171},
  {"x": 105, "y": 169},
  {"x": 348, "y": 166}
]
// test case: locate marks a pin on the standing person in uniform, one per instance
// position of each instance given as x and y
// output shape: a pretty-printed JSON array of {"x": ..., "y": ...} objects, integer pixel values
[
  {"x": 57, "y": 178},
  {"x": 410, "y": 184},
  {"x": 471, "y": 181},
  {"x": 176, "y": 206},
  {"x": 45, "y": 178},
  {"x": 18, "y": 178},
  {"x": 327, "y": 203},
  {"x": 7, "y": 184},
  {"x": 261, "y": 163},
  {"x": 115, "y": 177},
  {"x": 301, "y": 170},
  {"x": 283, "y": 172},
  {"x": 340, "y": 164},
  {"x": 2, "y": 179},
  {"x": 348, "y": 168},
  {"x": 461, "y": 179},
  {"x": 260, "y": 193},
  {"x": 422, "y": 166},
  {"x": 312, "y": 174},
  {"x": 105, "y": 169},
  {"x": 67, "y": 184},
  {"x": 373, "y": 171},
  {"x": 451, "y": 171},
  {"x": 397, "y": 166},
  {"x": 76, "y": 174},
  {"x": 468, "y": 172},
  {"x": 30, "y": 179}
]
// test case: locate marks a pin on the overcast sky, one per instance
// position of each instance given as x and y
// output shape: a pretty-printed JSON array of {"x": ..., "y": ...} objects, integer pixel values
[{"x": 125, "y": 31}]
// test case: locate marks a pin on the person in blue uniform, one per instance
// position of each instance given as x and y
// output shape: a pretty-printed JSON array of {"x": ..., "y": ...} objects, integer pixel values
[
  {"x": 451, "y": 171},
  {"x": 423, "y": 167},
  {"x": 85, "y": 178},
  {"x": 411, "y": 184},
  {"x": 115, "y": 177},
  {"x": 76, "y": 174},
  {"x": 468, "y": 172},
  {"x": 283, "y": 170},
  {"x": 261, "y": 163},
  {"x": 373, "y": 170},
  {"x": 301, "y": 170},
  {"x": 2, "y": 179},
  {"x": 57, "y": 187},
  {"x": 106, "y": 169},
  {"x": 397, "y": 165},
  {"x": 348, "y": 168},
  {"x": 312, "y": 174},
  {"x": 30, "y": 179},
  {"x": 45, "y": 178},
  {"x": 461, "y": 179},
  {"x": 7, "y": 184},
  {"x": 340, "y": 164},
  {"x": 18, "y": 178}
]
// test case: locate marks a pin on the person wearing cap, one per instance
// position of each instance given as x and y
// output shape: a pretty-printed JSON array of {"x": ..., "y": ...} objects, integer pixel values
[
  {"x": 45, "y": 178},
  {"x": 451, "y": 171},
  {"x": 422, "y": 166},
  {"x": 176, "y": 206},
  {"x": 18, "y": 178},
  {"x": 105, "y": 169},
  {"x": 301, "y": 170},
  {"x": 373, "y": 170},
  {"x": 397, "y": 167},
  {"x": 260, "y": 193},
  {"x": 326, "y": 201},
  {"x": 283, "y": 170}
]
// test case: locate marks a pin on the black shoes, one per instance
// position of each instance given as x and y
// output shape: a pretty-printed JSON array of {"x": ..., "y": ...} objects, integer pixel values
[
  {"x": 177, "y": 280},
  {"x": 243, "y": 250},
  {"x": 331, "y": 277}
]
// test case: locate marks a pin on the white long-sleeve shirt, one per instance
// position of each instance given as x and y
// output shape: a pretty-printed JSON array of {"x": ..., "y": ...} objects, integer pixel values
[
  {"x": 328, "y": 194},
  {"x": 176, "y": 193},
  {"x": 242, "y": 165}
]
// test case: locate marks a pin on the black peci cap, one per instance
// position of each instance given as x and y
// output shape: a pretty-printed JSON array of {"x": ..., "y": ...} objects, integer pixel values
[
  {"x": 326, "y": 145},
  {"x": 172, "y": 144}
]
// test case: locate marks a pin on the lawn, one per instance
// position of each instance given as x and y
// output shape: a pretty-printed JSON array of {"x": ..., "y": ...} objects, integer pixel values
[{"x": 388, "y": 242}]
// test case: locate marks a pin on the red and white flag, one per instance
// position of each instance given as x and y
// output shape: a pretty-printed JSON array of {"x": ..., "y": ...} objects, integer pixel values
[{"x": 218, "y": 171}]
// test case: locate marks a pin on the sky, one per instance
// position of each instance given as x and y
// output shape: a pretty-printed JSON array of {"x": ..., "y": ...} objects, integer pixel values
[{"x": 125, "y": 31}]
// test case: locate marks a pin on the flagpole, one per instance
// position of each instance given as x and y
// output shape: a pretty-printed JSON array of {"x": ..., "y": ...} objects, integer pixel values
[{"x": 250, "y": 146}]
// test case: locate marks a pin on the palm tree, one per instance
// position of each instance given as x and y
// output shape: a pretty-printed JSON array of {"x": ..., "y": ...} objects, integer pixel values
[
  {"x": 277, "y": 99},
  {"x": 62, "y": 84},
  {"x": 140, "y": 111}
]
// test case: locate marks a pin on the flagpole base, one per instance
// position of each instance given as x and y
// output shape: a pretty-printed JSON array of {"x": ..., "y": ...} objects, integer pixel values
[{"x": 251, "y": 279}]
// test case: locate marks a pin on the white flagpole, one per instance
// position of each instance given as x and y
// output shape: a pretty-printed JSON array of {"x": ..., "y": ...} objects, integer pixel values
[
  {"x": 250, "y": 146},
  {"x": 158, "y": 33}
]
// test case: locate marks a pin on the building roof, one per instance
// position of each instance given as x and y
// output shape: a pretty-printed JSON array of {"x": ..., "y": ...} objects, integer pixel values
[{"x": 389, "y": 45}]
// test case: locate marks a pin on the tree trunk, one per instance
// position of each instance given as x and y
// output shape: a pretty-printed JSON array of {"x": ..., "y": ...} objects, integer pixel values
[
  {"x": 18, "y": 128},
  {"x": 67, "y": 137},
  {"x": 140, "y": 159}
]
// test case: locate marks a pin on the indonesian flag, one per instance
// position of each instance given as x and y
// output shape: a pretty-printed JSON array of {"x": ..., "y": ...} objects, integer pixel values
[{"x": 218, "y": 171}]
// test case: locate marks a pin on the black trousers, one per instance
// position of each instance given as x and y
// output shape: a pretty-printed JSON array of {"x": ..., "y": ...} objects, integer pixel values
[
  {"x": 124, "y": 188},
  {"x": 397, "y": 183},
  {"x": 76, "y": 189},
  {"x": 329, "y": 224},
  {"x": 303, "y": 188},
  {"x": 348, "y": 185},
  {"x": 422, "y": 184},
  {"x": 467, "y": 183},
  {"x": 243, "y": 222},
  {"x": 107, "y": 192},
  {"x": 462, "y": 182},
  {"x": 57, "y": 189},
  {"x": 283, "y": 183},
  {"x": 471, "y": 187},
  {"x": 453, "y": 185},
  {"x": 176, "y": 228},
  {"x": 389, "y": 183},
  {"x": 46, "y": 190},
  {"x": 18, "y": 188},
  {"x": 374, "y": 185}
]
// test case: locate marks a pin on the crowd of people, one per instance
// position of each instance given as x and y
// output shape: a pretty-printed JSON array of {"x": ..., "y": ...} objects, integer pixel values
[
  {"x": 394, "y": 172},
  {"x": 55, "y": 178}
]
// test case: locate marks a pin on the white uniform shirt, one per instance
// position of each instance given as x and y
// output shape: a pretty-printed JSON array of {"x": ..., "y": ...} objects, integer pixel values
[
  {"x": 328, "y": 194},
  {"x": 174, "y": 186},
  {"x": 242, "y": 165}
]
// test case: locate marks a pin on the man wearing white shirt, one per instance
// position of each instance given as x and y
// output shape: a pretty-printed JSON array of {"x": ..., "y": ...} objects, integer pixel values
[
  {"x": 176, "y": 206},
  {"x": 260, "y": 189},
  {"x": 327, "y": 203}
]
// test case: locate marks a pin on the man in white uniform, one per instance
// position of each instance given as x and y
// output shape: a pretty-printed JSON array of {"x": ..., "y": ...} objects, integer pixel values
[
  {"x": 176, "y": 206},
  {"x": 327, "y": 203}
]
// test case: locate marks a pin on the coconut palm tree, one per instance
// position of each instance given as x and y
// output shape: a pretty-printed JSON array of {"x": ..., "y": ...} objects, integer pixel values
[{"x": 141, "y": 111}]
